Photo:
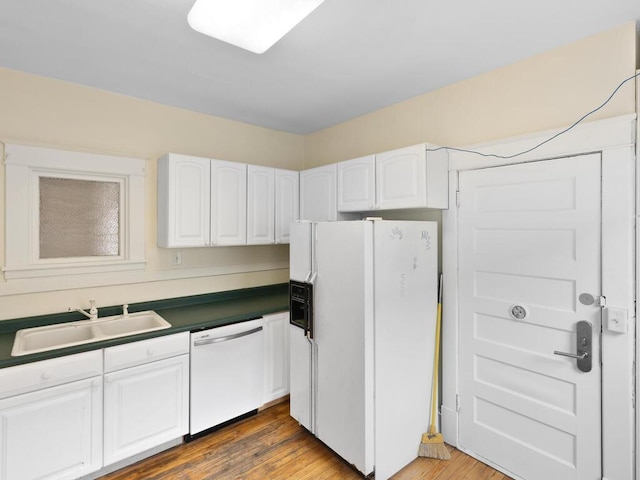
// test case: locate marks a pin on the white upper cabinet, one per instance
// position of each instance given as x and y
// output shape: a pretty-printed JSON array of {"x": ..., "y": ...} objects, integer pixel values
[
  {"x": 318, "y": 193},
  {"x": 409, "y": 178},
  {"x": 183, "y": 201},
  {"x": 205, "y": 202},
  {"x": 201, "y": 202},
  {"x": 357, "y": 184},
  {"x": 228, "y": 203},
  {"x": 287, "y": 204},
  {"x": 260, "y": 205}
]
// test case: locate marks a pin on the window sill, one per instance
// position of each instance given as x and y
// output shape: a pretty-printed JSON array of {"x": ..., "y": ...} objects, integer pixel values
[{"x": 39, "y": 271}]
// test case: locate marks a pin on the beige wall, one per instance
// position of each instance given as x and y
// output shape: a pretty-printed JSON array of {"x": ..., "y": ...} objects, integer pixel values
[
  {"x": 546, "y": 91},
  {"x": 543, "y": 92},
  {"x": 42, "y": 111},
  {"x": 638, "y": 45}
]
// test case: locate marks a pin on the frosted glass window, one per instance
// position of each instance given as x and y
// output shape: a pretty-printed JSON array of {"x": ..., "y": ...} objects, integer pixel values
[{"x": 79, "y": 218}]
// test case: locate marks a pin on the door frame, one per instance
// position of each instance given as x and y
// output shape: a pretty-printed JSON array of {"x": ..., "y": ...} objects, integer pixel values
[{"x": 614, "y": 139}]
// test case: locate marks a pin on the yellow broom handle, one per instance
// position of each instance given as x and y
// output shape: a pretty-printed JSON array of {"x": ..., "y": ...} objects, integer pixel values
[{"x": 436, "y": 361}]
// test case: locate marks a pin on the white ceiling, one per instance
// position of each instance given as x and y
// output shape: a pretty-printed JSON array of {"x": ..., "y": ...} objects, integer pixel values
[{"x": 348, "y": 58}]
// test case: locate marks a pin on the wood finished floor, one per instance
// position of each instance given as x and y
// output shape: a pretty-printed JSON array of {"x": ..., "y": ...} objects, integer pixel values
[{"x": 272, "y": 446}]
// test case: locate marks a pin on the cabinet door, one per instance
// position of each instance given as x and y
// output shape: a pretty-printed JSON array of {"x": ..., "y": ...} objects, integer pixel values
[
  {"x": 260, "y": 205},
  {"x": 357, "y": 184},
  {"x": 287, "y": 203},
  {"x": 55, "y": 433},
  {"x": 437, "y": 177},
  {"x": 145, "y": 406},
  {"x": 401, "y": 178},
  {"x": 276, "y": 329},
  {"x": 183, "y": 201},
  {"x": 318, "y": 194},
  {"x": 228, "y": 203}
]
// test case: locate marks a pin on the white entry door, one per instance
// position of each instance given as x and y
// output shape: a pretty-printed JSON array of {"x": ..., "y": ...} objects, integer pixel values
[{"x": 529, "y": 248}]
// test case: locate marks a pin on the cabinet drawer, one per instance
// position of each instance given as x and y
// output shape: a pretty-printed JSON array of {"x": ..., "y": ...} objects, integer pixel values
[
  {"x": 47, "y": 373},
  {"x": 145, "y": 351}
]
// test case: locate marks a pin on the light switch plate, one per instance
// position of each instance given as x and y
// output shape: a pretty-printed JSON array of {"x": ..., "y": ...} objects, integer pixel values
[{"x": 616, "y": 320}]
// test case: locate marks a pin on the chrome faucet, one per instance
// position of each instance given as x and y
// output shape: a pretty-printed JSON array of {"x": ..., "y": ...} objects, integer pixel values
[{"x": 93, "y": 311}]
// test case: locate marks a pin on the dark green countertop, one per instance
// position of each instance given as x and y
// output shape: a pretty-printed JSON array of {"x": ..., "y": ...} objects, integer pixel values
[{"x": 184, "y": 314}]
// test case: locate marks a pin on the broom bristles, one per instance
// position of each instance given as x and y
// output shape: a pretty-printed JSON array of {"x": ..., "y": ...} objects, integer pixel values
[{"x": 432, "y": 446}]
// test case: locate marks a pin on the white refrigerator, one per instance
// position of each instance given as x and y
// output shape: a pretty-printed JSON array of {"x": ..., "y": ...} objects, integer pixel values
[{"x": 362, "y": 343}]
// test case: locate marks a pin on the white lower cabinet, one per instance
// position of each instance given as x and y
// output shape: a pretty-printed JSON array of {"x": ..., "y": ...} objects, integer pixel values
[
  {"x": 276, "y": 375},
  {"x": 63, "y": 418},
  {"x": 53, "y": 431},
  {"x": 146, "y": 404}
]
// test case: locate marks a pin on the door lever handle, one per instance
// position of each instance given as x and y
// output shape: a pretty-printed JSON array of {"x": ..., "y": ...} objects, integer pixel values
[
  {"x": 579, "y": 356},
  {"x": 584, "y": 340}
]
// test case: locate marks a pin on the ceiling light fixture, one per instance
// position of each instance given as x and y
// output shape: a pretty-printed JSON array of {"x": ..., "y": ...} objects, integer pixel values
[{"x": 254, "y": 25}]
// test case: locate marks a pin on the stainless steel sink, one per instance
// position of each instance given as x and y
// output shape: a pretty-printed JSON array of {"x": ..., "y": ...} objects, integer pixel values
[{"x": 51, "y": 337}]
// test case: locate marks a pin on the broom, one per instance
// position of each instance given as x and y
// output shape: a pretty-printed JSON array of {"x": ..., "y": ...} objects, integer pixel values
[{"x": 432, "y": 443}]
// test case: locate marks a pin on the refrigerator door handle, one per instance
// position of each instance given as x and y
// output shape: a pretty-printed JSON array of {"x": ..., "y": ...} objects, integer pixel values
[
  {"x": 312, "y": 278},
  {"x": 312, "y": 384}
]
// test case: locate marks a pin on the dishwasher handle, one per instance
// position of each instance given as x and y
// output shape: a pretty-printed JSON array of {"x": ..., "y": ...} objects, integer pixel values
[{"x": 209, "y": 341}]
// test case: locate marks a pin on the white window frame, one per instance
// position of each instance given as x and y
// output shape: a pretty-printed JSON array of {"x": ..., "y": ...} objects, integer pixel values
[{"x": 25, "y": 165}]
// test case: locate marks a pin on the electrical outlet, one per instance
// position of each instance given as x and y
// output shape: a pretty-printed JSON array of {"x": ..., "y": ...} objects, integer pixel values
[
  {"x": 616, "y": 320},
  {"x": 176, "y": 258}
]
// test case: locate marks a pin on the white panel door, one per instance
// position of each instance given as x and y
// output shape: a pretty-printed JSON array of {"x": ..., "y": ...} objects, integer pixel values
[
  {"x": 318, "y": 194},
  {"x": 228, "y": 203},
  {"x": 529, "y": 247},
  {"x": 287, "y": 203},
  {"x": 145, "y": 406},
  {"x": 55, "y": 433},
  {"x": 183, "y": 201},
  {"x": 260, "y": 205},
  {"x": 357, "y": 184},
  {"x": 401, "y": 178}
]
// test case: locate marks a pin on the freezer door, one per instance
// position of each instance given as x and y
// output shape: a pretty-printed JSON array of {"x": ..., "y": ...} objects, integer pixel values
[
  {"x": 300, "y": 380},
  {"x": 343, "y": 333},
  {"x": 300, "y": 251}
]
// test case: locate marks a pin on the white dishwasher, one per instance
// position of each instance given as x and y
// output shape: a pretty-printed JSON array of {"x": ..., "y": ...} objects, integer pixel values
[{"x": 226, "y": 373}]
